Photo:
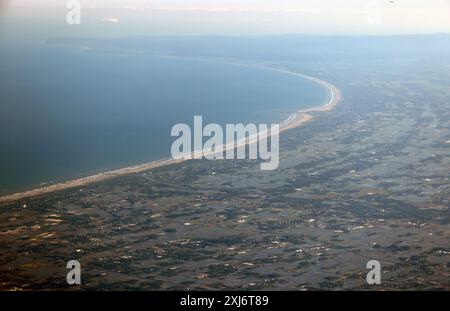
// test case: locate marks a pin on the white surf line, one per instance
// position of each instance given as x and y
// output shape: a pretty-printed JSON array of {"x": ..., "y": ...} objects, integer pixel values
[{"x": 103, "y": 176}]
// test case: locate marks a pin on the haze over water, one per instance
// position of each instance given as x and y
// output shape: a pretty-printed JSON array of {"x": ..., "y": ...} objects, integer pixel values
[{"x": 66, "y": 113}]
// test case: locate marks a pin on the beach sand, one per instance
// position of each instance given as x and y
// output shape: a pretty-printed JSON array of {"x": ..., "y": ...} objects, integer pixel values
[{"x": 295, "y": 120}]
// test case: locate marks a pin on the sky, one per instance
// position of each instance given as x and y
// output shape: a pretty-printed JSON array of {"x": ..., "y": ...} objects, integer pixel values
[{"x": 241, "y": 17}]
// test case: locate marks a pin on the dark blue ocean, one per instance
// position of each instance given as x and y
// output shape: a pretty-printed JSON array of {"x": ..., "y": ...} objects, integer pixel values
[{"x": 66, "y": 112}]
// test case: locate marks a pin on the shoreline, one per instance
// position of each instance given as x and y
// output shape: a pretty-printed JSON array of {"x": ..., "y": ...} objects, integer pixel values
[{"x": 295, "y": 120}]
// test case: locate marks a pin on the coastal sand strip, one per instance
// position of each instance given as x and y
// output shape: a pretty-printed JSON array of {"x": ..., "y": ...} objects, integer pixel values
[{"x": 295, "y": 120}]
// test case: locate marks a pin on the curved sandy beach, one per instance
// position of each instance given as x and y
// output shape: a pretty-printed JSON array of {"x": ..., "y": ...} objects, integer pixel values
[{"x": 294, "y": 120}]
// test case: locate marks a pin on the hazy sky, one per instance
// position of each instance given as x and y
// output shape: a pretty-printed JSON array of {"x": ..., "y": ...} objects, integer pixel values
[{"x": 267, "y": 16}]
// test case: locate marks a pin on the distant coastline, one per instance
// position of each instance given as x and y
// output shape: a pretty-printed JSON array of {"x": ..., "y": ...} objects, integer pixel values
[{"x": 294, "y": 120}]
